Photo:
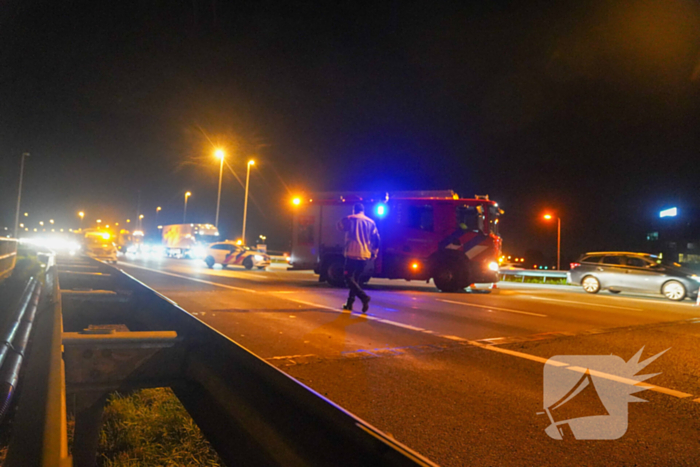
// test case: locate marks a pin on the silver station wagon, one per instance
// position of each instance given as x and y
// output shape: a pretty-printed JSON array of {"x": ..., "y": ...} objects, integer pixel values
[{"x": 619, "y": 271}]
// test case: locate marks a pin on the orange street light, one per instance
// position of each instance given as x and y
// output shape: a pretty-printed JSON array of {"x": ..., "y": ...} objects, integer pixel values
[
  {"x": 81, "y": 214},
  {"x": 550, "y": 217},
  {"x": 157, "y": 211},
  {"x": 296, "y": 201}
]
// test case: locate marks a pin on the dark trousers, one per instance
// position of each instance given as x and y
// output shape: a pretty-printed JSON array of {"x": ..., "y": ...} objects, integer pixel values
[{"x": 353, "y": 270}]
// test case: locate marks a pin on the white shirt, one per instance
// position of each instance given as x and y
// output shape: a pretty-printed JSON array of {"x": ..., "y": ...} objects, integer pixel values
[{"x": 361, "y": 236}]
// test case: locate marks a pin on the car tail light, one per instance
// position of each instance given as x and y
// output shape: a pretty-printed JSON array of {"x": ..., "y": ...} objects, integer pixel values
[{"x": 574, "y": 265}]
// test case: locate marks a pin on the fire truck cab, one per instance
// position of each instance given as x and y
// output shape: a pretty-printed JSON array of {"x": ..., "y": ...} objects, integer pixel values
[{"x": 424, "y": 235}]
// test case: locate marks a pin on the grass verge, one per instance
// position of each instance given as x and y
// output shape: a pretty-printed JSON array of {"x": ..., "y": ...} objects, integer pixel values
[
  {"x": 151, "y": 428},
  {"x": 534, "y": 280}
]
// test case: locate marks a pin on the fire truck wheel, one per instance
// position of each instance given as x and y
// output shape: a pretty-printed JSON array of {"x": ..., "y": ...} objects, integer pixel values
[
  {"x": 335, "y": 272},
  {"x": 248, "y": 263},
  {"x": 210, "y": 262},
  {"x": 447, "y": 278}
]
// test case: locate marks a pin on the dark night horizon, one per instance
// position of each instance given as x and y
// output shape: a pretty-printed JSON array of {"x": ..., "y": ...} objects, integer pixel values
[{"x": 590, "y": 109}]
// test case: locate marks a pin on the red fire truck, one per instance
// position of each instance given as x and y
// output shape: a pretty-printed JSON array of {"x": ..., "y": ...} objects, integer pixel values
[{"x": 424, "y": 235}]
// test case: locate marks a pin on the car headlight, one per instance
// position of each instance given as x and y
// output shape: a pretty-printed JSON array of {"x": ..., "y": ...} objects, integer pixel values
[
  {"x": 493, "y": 266},
  {"x": 258, "y": 258}
]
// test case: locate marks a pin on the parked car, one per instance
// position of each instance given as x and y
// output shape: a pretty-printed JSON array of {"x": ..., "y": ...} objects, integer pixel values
[
  {"x": 619, "y": 271},
  {"x": 228, "y": 253}
]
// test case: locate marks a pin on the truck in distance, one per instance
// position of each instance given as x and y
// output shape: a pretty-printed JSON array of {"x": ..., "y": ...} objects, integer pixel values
[
  {"x": 424, "y": 235},
  {"x": 188, "y": 240}
]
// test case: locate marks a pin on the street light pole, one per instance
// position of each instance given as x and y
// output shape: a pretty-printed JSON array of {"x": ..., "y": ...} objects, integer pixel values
[
  {"x": 549, "y": 217},
  {"x": 220, "y": 154},
  {"x": 157, "y": 211},
  {"x": 19, "y": 192},
  {"x": 558, "y": 243},
  {"x": 184, "y": 214},
  {"x": 245, "y": 203}
]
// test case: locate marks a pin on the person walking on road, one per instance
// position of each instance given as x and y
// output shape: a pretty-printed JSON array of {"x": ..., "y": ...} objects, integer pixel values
[{"x": 361, "y": 245}]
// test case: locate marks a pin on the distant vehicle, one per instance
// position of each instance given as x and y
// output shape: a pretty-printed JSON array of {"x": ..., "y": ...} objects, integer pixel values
[
  {"x": 99, "y": 245},
  {"x": 424, "y": 235},
  {"x": 188, "y": 240},
  {"x": 635, "y": 272},
  {"x": 511, "y": 267},
  {"x": 228, "y": 253}
]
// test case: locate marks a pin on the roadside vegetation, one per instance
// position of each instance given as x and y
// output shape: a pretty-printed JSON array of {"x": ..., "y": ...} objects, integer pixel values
[
  {"x": 151, "y": 428},
  {"x": 534, "y": 280}
]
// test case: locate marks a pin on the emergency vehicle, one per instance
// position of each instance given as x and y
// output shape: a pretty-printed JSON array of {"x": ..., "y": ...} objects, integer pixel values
[
  {"x": 424, "y": 235},
  {"x": 228, "y": 253},
  {"x": 188, "y": 240}
]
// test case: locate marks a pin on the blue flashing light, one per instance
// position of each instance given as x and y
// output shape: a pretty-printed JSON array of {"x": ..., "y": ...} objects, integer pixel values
[
  {"x": 671, "y": 212},
  {"x": 380, "y": 210}
]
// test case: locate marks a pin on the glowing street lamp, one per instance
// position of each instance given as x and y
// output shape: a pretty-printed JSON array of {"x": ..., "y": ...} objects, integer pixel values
[
  {"x": 245, "y": 203},
  {"x": 296, "y": 201},
  {"x": 184, "y": 214},
  {"x": 550, "y": 217},
  {"x": 141, "y": 216},
  {"x": 221, "y": 155},
  {"x": 157, "y": 211},
  {"x": 81, "y": 214}
]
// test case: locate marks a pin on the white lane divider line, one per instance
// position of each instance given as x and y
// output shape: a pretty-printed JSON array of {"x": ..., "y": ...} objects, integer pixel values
[
  {"x": 584, "y": 303},
  {"x": 194, "y": 279},
  {"x": 368, "y": 317},
  {"x": 288, "y": 357},
  {"x": 632, "y": 382},
  {"x": 508, "y": 310},
  {"x": 489, "y": 347}
]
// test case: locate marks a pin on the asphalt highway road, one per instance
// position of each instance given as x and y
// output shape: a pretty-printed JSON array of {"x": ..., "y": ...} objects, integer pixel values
[{"x": 459, "y": 377}]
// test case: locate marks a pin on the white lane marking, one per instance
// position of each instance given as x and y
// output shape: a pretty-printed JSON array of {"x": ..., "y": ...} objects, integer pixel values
[
  {"x": 583, "y": 303},
  {"x": 368, "y": 317},
  {"x": 492, "y": 348},
  {"x": 286, "y": 357},
  {"x": 494, "y": 308},
  {"x": 632, "y": 382},
  {"x": 241, "y": 289}
]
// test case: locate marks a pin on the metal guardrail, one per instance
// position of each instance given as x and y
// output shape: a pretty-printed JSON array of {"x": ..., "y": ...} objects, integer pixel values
[
  {"x": 14, "y": 340},
  {"x": 8, "y": 256},
  {"x": 541, "y": 273},
  {"x": 251, "y": 412},
  {"x": 40, "y": 436}
]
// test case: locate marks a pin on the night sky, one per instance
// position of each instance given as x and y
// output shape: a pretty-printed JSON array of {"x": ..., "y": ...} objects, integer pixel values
[{"x": 590, "y": 108}]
